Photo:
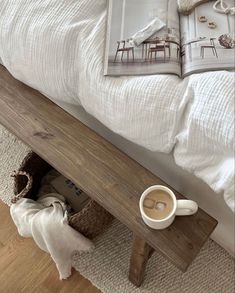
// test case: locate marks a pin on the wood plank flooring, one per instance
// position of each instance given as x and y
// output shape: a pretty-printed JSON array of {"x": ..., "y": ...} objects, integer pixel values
[{"x": 25, "y": 268}]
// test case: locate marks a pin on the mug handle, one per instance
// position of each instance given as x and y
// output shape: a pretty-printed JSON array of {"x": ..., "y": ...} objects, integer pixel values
[{"x": 186, "y": 207}]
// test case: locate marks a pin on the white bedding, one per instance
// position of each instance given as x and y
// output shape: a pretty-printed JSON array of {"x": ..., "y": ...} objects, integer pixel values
[{"x": 57, "y": 48}]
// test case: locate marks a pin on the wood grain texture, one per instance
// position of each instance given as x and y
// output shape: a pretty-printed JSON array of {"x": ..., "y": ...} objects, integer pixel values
[
  {"x": 26, "y": 268},
  {"x": 141, "y": 252},
  {"x": 105, "y": 173}
]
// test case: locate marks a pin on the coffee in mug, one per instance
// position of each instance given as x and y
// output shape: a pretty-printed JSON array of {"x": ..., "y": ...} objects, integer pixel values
[{"x": 159, "y": 206}]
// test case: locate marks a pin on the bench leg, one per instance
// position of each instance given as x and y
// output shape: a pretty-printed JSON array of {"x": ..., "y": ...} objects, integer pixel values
[{"x": 140, "y": 255}]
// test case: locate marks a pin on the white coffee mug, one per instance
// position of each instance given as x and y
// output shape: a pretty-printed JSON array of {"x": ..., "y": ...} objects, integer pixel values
[{"x": 181, "y": 207}]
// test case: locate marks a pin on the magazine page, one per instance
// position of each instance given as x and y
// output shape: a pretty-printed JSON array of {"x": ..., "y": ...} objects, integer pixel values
[
  {"x": 142, "y": 37},
  {"x": 207, "y": 39}
]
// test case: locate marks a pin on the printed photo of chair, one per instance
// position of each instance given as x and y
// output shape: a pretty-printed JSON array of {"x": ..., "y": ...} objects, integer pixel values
[
  {"x": 122, "y": 48},
  {"x": 168, "y": 46},
  {"x": 159, "y": 47},
  {"x": 209, "y": 46},
  {"x": 181, "y": 52}
]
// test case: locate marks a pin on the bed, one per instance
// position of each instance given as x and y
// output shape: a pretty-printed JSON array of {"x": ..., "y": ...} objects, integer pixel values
[{"x": 166, "y": 123}]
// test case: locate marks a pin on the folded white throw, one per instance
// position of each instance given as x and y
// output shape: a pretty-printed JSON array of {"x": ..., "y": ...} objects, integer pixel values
[
  {"x": 154, "y": 26},
  {"x": 46, "y": 222}
]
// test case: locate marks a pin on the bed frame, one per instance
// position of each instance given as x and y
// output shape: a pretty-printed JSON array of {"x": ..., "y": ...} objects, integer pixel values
[{"x": 104, "y": 172}]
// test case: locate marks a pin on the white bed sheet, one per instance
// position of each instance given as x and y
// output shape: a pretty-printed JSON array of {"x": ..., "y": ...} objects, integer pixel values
[{"x": 57, "y": 48}]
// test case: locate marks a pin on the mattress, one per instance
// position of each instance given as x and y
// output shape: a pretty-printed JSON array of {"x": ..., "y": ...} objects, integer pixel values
[
  {"x": 163, "y": 165},
  {"x": 57, "y": 47}
]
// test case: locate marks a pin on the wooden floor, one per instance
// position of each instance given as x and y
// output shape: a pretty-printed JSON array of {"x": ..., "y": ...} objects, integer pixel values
[{"x": 25, "y": 268}]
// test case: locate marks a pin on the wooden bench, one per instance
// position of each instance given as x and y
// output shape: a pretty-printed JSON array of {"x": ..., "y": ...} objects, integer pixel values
[{"x": 104, "y": 172}]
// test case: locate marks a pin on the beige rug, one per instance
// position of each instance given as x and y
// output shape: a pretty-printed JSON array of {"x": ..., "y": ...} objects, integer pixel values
[{"x": 107, "y": 266}]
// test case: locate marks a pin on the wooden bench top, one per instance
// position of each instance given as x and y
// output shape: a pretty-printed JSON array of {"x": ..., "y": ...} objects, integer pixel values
[{"x": 99, "y": 168}]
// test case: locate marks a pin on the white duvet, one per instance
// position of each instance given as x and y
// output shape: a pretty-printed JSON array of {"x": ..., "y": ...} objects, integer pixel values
[{"x": 57, "y": 48}]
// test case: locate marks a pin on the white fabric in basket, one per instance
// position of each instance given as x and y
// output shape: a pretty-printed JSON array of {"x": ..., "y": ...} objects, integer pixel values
[{"x": 46, "y": 221}]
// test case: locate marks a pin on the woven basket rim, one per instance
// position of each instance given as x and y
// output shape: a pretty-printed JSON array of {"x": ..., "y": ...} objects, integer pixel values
[{"x": 90, "y": 220}]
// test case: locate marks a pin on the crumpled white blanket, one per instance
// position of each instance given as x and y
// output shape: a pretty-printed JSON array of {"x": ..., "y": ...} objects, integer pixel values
[
  {"x": 139, "y": 37},
  {"x": 46, "y": 222},
  {"x": 57, "y": 47}
]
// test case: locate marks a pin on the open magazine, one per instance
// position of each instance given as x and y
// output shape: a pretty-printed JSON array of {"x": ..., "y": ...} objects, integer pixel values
[{"x": 151, "y": 37}]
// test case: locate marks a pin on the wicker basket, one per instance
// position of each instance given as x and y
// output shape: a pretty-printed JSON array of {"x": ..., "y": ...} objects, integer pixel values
[{"x": 90, "y": 221}]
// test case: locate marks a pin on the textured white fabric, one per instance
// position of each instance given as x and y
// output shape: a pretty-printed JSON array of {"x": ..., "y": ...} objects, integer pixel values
[
  {"x": 219, "y": 6},
  {"x": 46, "y": 222},
  {"x": 57, "y": 47},
  {"x": 185, "y": 6}
]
